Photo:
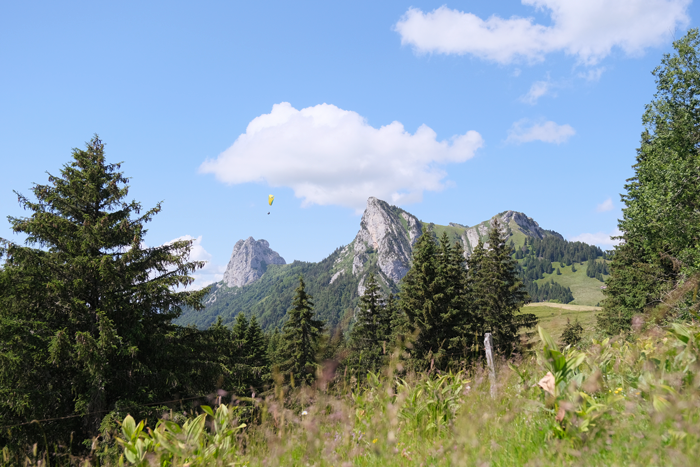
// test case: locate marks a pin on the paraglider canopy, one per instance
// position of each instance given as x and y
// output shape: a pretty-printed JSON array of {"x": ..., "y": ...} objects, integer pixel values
[{"x": 270, "y": 199}]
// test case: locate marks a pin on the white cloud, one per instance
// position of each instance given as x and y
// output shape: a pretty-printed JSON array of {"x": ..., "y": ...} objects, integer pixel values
[
  {"x": 210, "y": 273},
  {"x": 606, "y": 205},
  {"x": 601, "y": 239},
  {"x": 586, "y": 29},
  {"x": 523, "y": 131},
  {"x": 537, "y": 90},
  {"x": 592, "y": 75},
  {"x": 328, "y": 155}
]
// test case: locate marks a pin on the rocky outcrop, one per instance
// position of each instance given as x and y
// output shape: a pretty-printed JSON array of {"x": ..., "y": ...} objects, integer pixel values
[
  {"x": 510, "y": 221},
  {"x": 385, "y": 240},
  {"x": 249, "y": 261}
]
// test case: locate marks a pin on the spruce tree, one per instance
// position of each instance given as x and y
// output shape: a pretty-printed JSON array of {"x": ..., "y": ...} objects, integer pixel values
[
  {"x": 85, "y": 306},
  {"x": 371, "y": 333},
  {"x": 256, "y": 355},
  {"x": 433, "y": 300},
  {"x": 416, "y": 297},
  {"x": 300, "y": 338},
  {"x": 497, "y": 292},
  {"x": 274, "y": 346},
  {"x": 661, "y": 220},
  {"x": 240, "y": 327}
]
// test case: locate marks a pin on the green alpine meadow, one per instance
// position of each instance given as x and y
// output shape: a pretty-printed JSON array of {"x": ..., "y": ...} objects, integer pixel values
[{"x": 497, "y": 344}]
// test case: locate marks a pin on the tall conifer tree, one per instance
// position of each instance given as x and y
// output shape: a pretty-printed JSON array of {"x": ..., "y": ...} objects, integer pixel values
[
  {"x": 85, "y": 306},
  {"x": 256, "y": 354},
  {"x": 300, "y": 338},
  {"x": 497, "y": 291},
  {"x": 433, "y": 297},
  {"x": 371, "y": 334},
  {"x": 661, "y": 221}
]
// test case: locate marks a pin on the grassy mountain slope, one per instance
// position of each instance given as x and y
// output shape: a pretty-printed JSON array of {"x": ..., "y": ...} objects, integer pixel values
[{"x": 586, "y": 290}]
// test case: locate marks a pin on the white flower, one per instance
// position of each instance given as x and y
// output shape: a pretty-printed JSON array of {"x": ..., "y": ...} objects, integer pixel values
[{"x": 305, "y": 412}]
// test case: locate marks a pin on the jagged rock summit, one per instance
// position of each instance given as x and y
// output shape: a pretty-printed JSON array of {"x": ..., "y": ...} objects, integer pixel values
[
  {"x": 249, "y": 261},
  {"x": 385, "y": 240}
]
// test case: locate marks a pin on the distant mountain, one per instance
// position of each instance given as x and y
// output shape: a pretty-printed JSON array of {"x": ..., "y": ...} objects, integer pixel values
[
  {"x": 257, "y": 280},
  {"x": 249, "y": 262}
]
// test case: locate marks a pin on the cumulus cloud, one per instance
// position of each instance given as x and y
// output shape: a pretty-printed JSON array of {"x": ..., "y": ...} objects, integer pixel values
[
  {"x": 524, "y": 131},
  {"x": 586, "y": 29},
  {"x": 328, "y": 155},
  {"x": 606, "y": 205},
  {"x": 537, "y": 90},
  {"x": 601, "y": 239},
  {"x": 210, "y": 273}
]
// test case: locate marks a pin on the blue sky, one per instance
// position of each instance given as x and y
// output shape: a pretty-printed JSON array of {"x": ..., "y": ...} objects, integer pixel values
[{"x": 454, "y": 111}]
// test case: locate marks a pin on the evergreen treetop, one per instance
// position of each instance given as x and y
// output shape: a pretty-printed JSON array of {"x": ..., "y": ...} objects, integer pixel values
[
  {"x": 497, "y": 292},
  {"x": 301, "y": 334}
]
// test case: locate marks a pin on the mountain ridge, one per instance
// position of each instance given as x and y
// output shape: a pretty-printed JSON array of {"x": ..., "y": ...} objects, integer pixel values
[{"x": 382, "y": 246}]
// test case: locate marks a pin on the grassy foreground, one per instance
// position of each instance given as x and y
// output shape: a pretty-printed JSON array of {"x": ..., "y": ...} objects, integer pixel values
[{"x": 614, "y": 403}]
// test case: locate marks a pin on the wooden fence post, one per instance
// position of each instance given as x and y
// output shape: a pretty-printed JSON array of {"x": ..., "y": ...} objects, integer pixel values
[{"x": 488, "y": 346}]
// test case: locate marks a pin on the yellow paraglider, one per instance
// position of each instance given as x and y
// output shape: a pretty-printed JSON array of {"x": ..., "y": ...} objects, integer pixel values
[{"x": 270, "y": 199}]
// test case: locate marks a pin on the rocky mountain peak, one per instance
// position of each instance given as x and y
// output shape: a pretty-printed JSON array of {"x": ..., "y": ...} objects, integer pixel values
[
  {"x": 385, "y": 239},
  {"x": 511, "y": 221},
  {"x": 249, "y": 261}
]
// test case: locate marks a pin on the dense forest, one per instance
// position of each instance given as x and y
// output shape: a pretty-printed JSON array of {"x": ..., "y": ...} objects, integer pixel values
[
  {"x": 270, "y": 297},
  {"x": 536, "y": 257}
]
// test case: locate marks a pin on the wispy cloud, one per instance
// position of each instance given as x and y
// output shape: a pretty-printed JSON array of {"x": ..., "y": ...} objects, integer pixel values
[
  {"x": 588, "y": 30},
  {"x": 537, "y": 90},
  {"x": 606, "y": 205},
  {"x": 601, "y": 239},
  {"x": 525, "y": 131},
  {"x": 211, "y": 272},
  {"x": 592, "y": 75}
]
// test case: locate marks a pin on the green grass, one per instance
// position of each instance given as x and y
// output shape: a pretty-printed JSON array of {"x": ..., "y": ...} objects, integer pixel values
[
  {"x": 553, "y": 317},
  {"x": 586, "y": 290},
  {"x": 616, "y": 402},
  {"x": 453, "y": 233}
]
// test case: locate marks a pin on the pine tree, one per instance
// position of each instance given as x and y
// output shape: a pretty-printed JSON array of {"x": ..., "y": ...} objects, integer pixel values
[
  {"x": 370, "y": 335},
  {"x": 661, "y": 221},
  {"x": 85, "y": 306},
  {"x": 300, "y": 338},
  {"x": 433, "y": 299},
  {"x": 240, "y": 327},
  {"x": 256, "y": 355},
  {"x": 573, "y": 332},
  {"x": 416, "y": 298},
  {"x": 497, "y": 292},
  {"x": 274, "y": 346}
]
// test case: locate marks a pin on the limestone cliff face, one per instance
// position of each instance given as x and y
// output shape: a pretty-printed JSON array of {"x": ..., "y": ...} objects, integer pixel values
[
  {"x": 249, "y": 261},
  {"x": 385, "y": 240}
]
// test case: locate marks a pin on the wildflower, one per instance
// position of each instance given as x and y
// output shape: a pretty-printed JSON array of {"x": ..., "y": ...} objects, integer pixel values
[
  {"x": 305, "y": 412},
  {"x": 374, "y": 440}
]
